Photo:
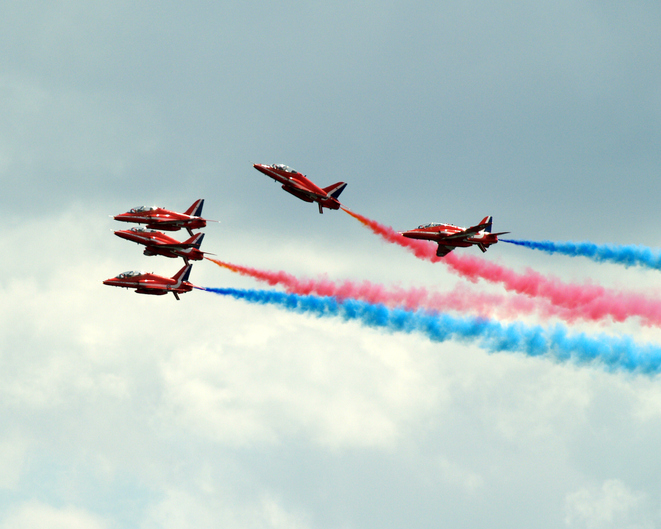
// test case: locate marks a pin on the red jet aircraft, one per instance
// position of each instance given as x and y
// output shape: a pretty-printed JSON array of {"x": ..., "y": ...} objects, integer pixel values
[
  {"x": 450, "y": 237},
  {"x": 145, "y": 283},
  {"x": 158, "y": 243},
  {"x": 163, "y": 219},
  {"x": 298, "y": 185}
]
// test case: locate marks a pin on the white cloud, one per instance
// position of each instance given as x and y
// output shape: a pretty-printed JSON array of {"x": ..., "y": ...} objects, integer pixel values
[
  {"x": 213, "y": 409},
  {"x": 457, "y": 476},
  {"x": 278, "y": 518},
  {"x": 294, "y": 381},
  {"x": 12, "y": 460},
  {"x": 181, "y": 510},
  {"x": 611, "y": 505},
  {"x": 35, "y": 514}
]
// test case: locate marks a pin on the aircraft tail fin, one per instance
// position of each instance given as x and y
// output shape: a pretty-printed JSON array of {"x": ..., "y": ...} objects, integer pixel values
[
  {"x": 335, "y": 190},
  {"x": 196, "y": 209},
  {"x": 487, "y": 220},
  {"x": 183, "y": 274},
  {"x": 195, "y": 241}
]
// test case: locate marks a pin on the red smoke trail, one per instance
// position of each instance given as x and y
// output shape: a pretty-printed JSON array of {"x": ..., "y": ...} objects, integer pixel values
[
  {"x": 461, "y": 299},
  {"x": 591, "y": 302},
  {"x": 421, "y": 249}
]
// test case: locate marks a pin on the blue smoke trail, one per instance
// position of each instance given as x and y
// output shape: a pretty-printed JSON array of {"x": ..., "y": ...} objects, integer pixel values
[
  {"x": 627, "y": 255},
  {"x": 613, "y": 352}
]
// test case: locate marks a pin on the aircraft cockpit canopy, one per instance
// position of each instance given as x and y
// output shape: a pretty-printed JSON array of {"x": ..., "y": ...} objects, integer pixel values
[
  {"x": 283, "y": 167},
  {"x": 139, "y": 229},
  {"x": 142, "y": 209},
  {"x": 436, "y": 224},
  {"x": 127, "y": 275}
]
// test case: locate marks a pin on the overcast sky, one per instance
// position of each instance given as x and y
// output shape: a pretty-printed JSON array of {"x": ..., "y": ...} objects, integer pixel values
[{"x": 124, "y": 411}]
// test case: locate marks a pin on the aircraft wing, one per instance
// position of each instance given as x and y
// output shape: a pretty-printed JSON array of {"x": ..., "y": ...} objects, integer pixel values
[
  {"x": 467, "y": 232},
  {"x": 152, "y": 286},
  {"x": 443, "y": 250},
  {"x": 180, "y": 246},
  {"x": 303, "y": 190},
  {"x": 160, "y": 221}
]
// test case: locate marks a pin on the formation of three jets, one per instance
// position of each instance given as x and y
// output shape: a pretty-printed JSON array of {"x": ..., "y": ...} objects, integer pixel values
[
  {"x": 447, "y": 236},
  {"x": 158, "y": 243}
]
